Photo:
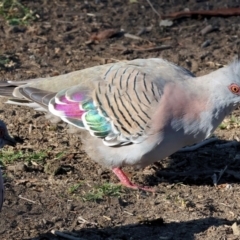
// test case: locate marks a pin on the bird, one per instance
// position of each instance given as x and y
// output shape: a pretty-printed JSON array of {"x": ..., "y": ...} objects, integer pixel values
[
  {"x": 134, "y": 113},
  {"x": 5, "y": 139}
]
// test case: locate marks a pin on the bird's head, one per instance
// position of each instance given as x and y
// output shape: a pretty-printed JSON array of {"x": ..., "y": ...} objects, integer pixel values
[
  {"x": 233, "y": 82},
  {"x": 224, "y": 85}
]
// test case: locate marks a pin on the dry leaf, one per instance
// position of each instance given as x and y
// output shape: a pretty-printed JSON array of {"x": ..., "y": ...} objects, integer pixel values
[{"x": 105, "y": 34}]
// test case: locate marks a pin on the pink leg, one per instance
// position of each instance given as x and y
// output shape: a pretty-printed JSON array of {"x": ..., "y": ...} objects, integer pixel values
[{"x": 126, "y": 182}]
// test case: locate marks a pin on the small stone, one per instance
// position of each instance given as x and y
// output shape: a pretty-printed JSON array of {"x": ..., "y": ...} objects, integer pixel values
[
  {"x": 235, "y": 229},
  {"x": 166, "y": 23},
  {"x": 206, "y": 43}
]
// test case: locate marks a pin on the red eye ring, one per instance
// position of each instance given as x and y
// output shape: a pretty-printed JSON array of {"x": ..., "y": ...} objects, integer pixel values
[{"x": 234, "y": 88}]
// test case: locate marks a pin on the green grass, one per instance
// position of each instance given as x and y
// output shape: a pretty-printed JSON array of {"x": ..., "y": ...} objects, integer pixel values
[
  {"x": 231, "y": 122},
  {"x": 60, "y": 155},
  {"x": 4, "y": 61},
  {"x": 223, "y": 126},
  {"x": 15, "y": 13},
  {"x": 8, "y": 62},
  {"x": 74, "y": 188},
  {"x": 102, "y": 191},
  {"x": 8, "y": 157},
  {"x": 234, "y": 120}
]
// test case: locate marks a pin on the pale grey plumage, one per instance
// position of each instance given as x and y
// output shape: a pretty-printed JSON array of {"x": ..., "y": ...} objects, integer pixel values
[{"x": 154, "y": 107}]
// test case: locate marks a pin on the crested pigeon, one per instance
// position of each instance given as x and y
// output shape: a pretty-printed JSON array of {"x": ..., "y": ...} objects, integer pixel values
[
  {"x": 5, "y": 139},
  {"x": 134, "y": 112}
]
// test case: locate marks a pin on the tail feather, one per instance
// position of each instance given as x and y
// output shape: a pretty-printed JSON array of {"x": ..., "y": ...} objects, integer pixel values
[
  {"x": 6, "y": 92},
  {"x": 6, "y": 89},
  {"x": 22, "y": 102},
  {"x": 23, "y": 82},
  {"x": 37, "y": 95}
]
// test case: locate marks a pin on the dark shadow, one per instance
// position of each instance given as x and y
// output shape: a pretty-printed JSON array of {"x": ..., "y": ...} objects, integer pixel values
[
  {"x": 18, "y": 139},
  {"x": 151, "y": 230},
  {"x": 198, "y": 167}
]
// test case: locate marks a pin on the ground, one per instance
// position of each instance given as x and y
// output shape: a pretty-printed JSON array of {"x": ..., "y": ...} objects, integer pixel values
[{"x": 51, "y": 184}]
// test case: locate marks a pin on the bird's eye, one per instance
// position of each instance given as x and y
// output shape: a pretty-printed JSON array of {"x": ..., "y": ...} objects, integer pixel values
[
  {"x": 1, "y": 132},
  {"x": 234, "y": 88}
]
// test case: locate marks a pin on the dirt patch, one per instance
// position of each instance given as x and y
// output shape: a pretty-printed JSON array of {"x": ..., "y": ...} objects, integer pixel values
[{"x": 51, "y": 184}]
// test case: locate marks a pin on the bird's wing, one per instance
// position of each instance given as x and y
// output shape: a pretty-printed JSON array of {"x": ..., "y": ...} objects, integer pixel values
[
  {"x": 37, "y": 93},
  {"x": 119, "y": 104}
]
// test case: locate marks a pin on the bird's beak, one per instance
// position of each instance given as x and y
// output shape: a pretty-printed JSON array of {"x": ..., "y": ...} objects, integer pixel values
[{"x": 9, "y": 141}]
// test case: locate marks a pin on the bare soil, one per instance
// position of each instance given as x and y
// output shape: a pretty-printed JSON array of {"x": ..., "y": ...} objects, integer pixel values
[{"x": 39, "y": 194}]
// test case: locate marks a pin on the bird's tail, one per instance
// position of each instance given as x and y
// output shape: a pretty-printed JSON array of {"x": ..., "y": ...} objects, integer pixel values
[{"x": 8, "y": 89}]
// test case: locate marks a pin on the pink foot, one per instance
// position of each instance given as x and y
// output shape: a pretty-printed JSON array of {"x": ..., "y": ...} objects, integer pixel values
[{"x": 126, "y": 182}]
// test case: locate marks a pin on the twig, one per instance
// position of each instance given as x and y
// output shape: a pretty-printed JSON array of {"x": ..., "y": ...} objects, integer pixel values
[
  {"x": 221, "y": 173},
  {"x": 157, "y": 48},
  {"x": 208, "y": 29},
  {"x": 144, "y": 30},
  {"x": 198, "y": 145},
  {"x": 154, "y": 9},
  {"x": 131, "y": 214},
  {"x": 118, "y": 48},
  {"x": 222, "y": 12},
  {"x": 28, "y": 200},
  {"x": 165, "y": 39},
  {"x": 82, "y": 220},
  {"x": 226, "y": 205},
  {"x": 72, "y": 31},
  {"x": 106, "y": 217},
  {"x": 64, "y": 235},
  {"x": 103, "y": 35},
  {"x": 128, "y": 35}
]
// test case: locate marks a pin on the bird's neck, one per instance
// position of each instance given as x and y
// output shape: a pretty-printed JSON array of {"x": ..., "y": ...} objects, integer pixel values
[{"x": 218, "y": 105}]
